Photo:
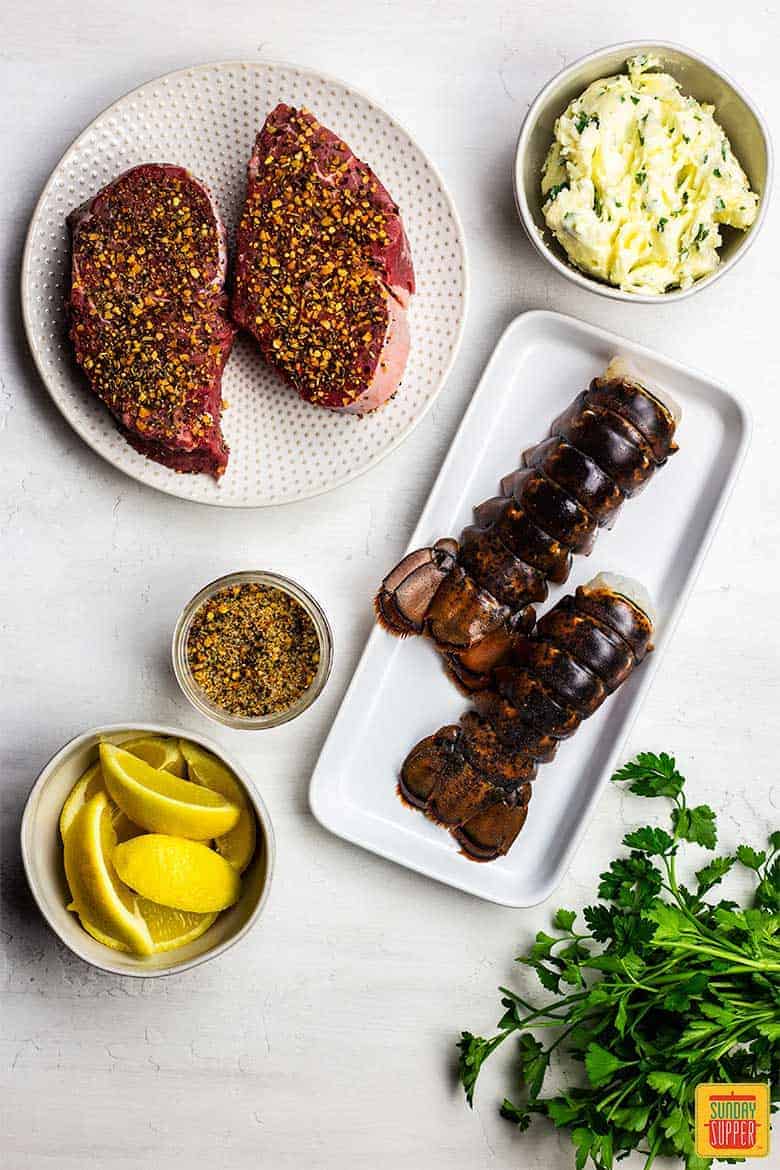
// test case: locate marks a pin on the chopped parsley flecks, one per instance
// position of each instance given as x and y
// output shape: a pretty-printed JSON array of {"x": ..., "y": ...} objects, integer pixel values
[
  {"x": 584, "y": 120},
  {"x": 701, "y": 235},
  {"x": 555, "y": 191}
]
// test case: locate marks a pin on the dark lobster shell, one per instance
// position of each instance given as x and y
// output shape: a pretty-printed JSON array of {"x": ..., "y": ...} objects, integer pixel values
[
  {"x": 475, "y": 778},
  {"x": 467, "y": 597},
  {"x": 577, "y": 473}
]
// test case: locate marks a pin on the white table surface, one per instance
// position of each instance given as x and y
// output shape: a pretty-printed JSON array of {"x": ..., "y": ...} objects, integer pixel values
[{"x": 326, "y": 1039}]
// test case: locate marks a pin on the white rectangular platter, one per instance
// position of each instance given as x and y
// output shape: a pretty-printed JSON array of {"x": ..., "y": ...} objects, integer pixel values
[{"x": 400, "y": 693}]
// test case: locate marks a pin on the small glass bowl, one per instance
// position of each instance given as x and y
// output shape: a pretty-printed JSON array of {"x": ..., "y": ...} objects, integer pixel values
[{"x": 193, "y": 692}]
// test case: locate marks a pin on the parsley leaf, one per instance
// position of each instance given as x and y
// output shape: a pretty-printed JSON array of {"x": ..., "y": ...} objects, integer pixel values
[
  {"x": 665, "y": 1082},
  {"x": 511, "y": 1112},
  {"x": 697, "y": 825},
  {"x": 750, "y": 858},
  {"x": 713, "y": 873},
  {"x": 651, "y": 775},
  {"x": 630, "y": 881},
  {"x": 533, "y": 1063},
  {"x": 655, "y": 842},
  {"x": 564, "y": 919},
  {"x": 667, "y": 990},
  {"x": 601, "y": 1065}
]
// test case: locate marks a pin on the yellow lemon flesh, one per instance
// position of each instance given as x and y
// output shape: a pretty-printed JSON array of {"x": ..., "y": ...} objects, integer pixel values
[
  {"x": 160, "y": 751},
  {"x": 237, "y": 846},
  {"x": 179, "y": 873},
  {"x": 83, "y": 790},
  {"x": 163, "y": 803},
  {"x": 99, "y": 897},
  {"x": 169, "y": 928}
]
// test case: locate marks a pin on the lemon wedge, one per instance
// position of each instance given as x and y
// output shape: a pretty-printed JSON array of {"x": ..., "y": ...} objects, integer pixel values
[
  {"x": 160, "y": 751},
  {"x": 173, "y": 871},
  {"x": 99, "y": 897},
  {"x": 83, "y": 790},
  {"x": 161, "y": 802},
  {"x": 237, "y": 846},
  {"x": 169, "y": 928},
  {"x": 100, "y": 936}
]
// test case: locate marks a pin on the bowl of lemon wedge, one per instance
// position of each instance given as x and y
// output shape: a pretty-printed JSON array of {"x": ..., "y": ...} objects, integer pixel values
[{"x": 146, "y": 849}]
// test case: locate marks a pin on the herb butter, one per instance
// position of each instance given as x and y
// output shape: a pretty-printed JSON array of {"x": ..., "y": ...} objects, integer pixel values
[{"x": 639, "y": 181}]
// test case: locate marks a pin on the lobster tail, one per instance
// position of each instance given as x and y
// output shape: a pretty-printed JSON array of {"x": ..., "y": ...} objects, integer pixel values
[
  {"x": 476, "y": 778},
  {"x": 473, "y": 599}
]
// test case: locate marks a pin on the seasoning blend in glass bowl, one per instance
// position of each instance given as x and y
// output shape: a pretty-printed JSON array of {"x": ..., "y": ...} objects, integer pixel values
[{"x": 252, "y": 650}]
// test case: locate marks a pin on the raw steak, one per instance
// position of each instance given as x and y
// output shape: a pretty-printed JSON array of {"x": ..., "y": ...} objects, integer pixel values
[
  {"x": 323, "y": 271},
  {"x": 147, "y": 312}
]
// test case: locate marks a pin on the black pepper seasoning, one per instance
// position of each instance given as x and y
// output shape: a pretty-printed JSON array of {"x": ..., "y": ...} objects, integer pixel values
[{"x": 253, "y": 649}]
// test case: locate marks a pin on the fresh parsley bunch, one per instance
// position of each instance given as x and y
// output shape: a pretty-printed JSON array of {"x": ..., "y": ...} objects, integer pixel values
[{"x": 661, "y": 989}]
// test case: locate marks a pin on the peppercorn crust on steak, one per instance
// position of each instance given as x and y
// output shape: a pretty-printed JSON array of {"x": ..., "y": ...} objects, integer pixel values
[
  {"x": 148, "y": 313},
  {"x": 323, "y": 270}
]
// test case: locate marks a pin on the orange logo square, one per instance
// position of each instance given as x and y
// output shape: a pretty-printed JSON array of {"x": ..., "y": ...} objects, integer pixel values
[{"x": 732, "y": 1121}]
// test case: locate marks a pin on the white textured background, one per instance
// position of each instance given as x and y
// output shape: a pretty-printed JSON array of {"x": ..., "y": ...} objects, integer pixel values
[{"x": 325, "y": 1040}]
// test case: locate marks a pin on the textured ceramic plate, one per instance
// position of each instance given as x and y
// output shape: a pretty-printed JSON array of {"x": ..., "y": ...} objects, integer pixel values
[
  {"x": 399, "y": 692},
  {"x": 205, "y": 118}
]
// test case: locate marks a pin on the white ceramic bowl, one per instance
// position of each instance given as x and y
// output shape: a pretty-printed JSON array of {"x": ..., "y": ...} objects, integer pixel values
[
  {"x": 43, "y": 862},
  {"x": 745, "y": 128}
]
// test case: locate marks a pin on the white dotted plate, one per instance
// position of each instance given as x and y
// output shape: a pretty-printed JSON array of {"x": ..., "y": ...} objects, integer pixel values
[{"x": 205, "y": 118}]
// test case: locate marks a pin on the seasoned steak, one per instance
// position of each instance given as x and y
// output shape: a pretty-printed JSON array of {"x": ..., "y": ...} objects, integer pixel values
[
  {"x": 323, "y": 269},
  {"x": 148, "y": 313}
]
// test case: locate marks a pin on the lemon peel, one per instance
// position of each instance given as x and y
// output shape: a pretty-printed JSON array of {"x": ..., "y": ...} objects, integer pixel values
[
  {"x": 163, "y": 803},
  {"x": 238, "y": 845},
  {"x": 99, "y": 896},
  {"x": 177, "y": 872}
]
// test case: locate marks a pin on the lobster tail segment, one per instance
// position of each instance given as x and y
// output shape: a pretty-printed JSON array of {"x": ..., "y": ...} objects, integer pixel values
[
  {"x": 407, "y": 592},
  {"x": 471, "y": 598},
  {"x": 475, "y": 778},
  {"x": 649, "y": 407}
]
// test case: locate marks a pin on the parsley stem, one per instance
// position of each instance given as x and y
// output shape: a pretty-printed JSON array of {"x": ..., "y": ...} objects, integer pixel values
[
  {"x": 577, "y": 1023},
  {"x": 682, "y": 989},
  {"x": 622, "y": 1092},
  {"x": 716, "y": 953},
  {"x": 536, "y": 1014}
]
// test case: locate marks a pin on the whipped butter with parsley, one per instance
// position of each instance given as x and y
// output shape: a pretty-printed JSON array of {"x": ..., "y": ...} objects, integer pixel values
[{"x": 639, "y": 181}]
